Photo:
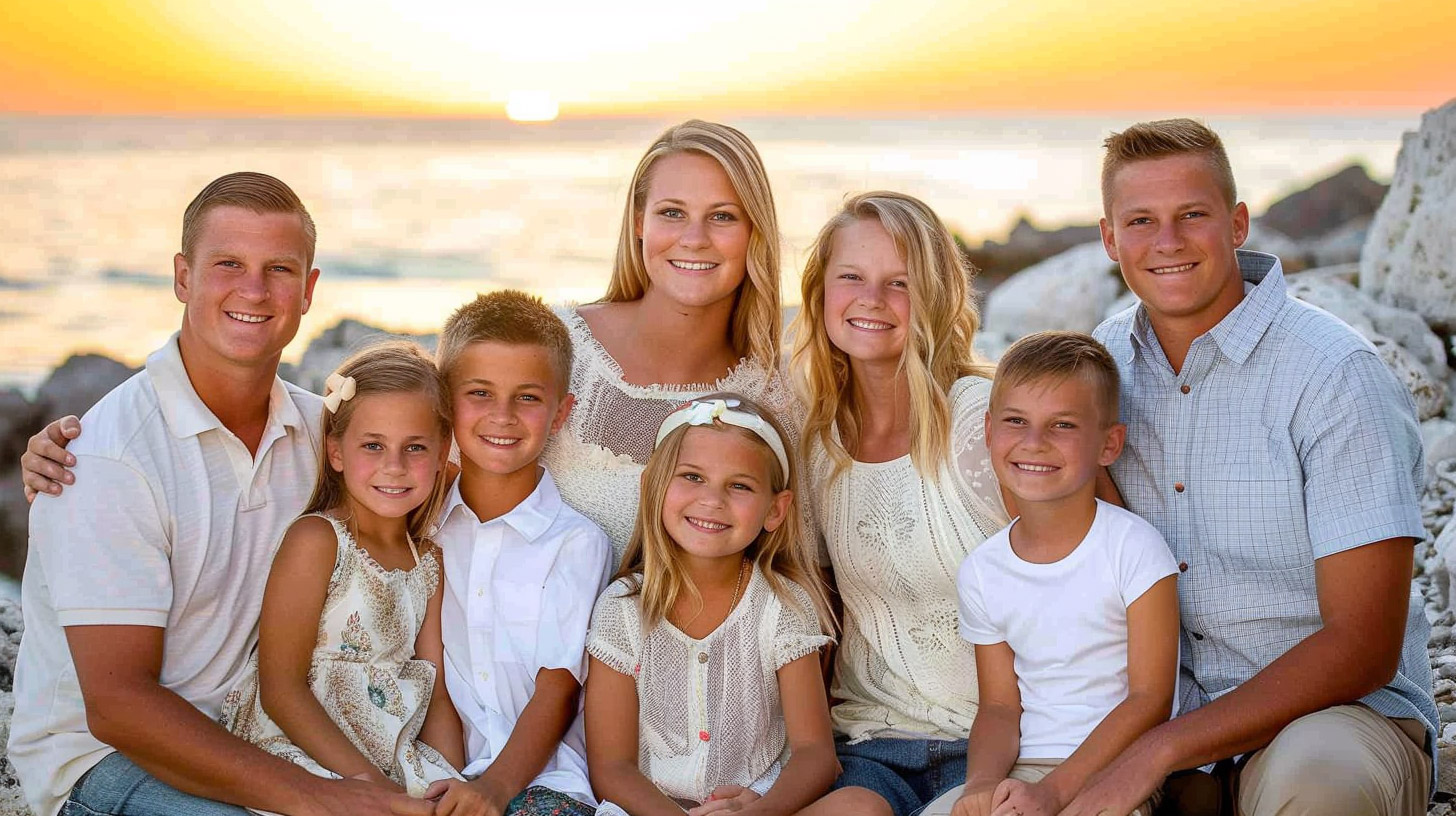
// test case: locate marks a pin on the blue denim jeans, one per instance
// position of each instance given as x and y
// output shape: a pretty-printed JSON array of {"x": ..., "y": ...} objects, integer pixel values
[
  {"x": 117, "y": 787},
  {"x": 909, "y": 773}
]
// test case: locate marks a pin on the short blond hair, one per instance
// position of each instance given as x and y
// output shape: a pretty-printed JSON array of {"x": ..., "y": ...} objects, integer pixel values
[
  {"x": 756, "y": 324},
  {"x": 1055, "y": 356},
  {"x": 1159, "y": 140},
  {"x": 512, "y": 317},
  {"x": 257, "y": 192}
]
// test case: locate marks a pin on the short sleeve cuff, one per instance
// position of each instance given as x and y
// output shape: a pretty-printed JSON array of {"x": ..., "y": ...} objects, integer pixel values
[
  {"x": 615, "y": 659},
  {"x": 789, "y": 650},
  {"x": 977, "y": 638},
  {"x": 112, "y": 617},
  {"x": 1330, "y": 536}
]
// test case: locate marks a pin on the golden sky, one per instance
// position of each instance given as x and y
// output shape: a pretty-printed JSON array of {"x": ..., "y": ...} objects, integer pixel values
[{"x": 468, "y": 57}]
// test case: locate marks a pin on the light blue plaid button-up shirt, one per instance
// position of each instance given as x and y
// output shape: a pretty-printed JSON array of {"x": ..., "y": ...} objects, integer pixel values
[{"x": 1284, "y": 439}]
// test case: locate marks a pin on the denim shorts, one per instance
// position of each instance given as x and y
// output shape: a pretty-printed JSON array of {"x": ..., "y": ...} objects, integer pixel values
[
  {"x": 115, "y": 786},
  {"x": 908, "y": 773}
]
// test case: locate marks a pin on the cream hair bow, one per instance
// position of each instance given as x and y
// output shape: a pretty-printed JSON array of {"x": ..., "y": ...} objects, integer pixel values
[
  {"x": 338, "y": 390},
  {"x": 705, "y": 412}
]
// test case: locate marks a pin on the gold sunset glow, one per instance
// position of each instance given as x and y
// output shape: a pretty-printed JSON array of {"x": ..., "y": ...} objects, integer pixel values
[{"x": 453, "y": 58}]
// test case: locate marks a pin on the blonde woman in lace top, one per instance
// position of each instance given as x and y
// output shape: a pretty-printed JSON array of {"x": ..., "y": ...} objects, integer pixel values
[
  {"x": 692, "y": 308},
  {"x": 902, "y": 484}
]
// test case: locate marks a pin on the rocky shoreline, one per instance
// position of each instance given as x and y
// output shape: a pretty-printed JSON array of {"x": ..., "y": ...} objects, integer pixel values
[{"x": 1383, "y": 260}]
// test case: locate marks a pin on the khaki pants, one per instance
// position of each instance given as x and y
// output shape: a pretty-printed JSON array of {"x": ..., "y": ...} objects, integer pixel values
[
  {"x": 1344, "y": 761},
  {"x": 1026, "y": 770}
]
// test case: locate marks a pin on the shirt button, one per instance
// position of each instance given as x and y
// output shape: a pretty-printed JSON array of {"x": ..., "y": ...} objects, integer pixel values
[
  {"x": 1182, "y": 566},
  {"x": 702, "y": 657},
  {"x": 1178, "y": 486},
  {"x": 1184, "y": 388},
  {"x": 480, "y": 593},
  {"x": 484, "y": 676}
]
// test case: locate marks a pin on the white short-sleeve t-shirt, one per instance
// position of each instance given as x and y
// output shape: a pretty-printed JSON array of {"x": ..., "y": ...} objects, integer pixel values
[
  {"x": 1065, "y": 621},
  {"x": 171, "y": 523}
]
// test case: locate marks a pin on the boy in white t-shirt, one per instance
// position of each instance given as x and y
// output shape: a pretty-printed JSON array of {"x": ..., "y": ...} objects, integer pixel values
[{"x": 1073, "y": 607}]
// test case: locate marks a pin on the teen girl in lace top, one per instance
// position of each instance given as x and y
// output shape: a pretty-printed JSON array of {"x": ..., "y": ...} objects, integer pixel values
[{"x": 896, "y": 464}]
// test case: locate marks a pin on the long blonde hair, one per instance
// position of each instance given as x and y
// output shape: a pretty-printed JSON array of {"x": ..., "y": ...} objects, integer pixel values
[
  {"x": 938, "y": 351},
  {"x": 778, "y": 554},
  {"x": 385, "y": 367},
  {"x": 754, "y": 328}
]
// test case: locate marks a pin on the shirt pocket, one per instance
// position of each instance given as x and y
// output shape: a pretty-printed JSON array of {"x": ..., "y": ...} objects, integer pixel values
[
  {"x": 517, "y": 615},
  {"x": 1250, "y": 506}
]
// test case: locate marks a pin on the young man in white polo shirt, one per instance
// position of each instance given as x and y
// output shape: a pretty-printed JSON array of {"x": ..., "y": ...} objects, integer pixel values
[{"x": 144, "y": 582}]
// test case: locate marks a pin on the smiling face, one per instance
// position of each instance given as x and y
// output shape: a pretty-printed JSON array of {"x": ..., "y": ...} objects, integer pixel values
[
  {"x": 719, "y": 497},
  {"x": 389, "y": 454},
  {"x": 1048, "y": 437},
  {"x": 508, "y": 399},
  {"x": 866, "y": 294},
  {"x": 694, "y": 231},
  {"x": 1170, "y": 227},
  {"x": 246, "y": 285}
]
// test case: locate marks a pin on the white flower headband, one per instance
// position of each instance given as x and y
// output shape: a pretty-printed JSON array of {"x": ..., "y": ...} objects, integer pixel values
[
  {"x": 704, "y": 412},
  {"x": 338, "y": 390}
]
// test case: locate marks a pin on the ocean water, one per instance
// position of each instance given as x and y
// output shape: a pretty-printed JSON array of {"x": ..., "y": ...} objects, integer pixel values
[{"x": 415, "y": 216}]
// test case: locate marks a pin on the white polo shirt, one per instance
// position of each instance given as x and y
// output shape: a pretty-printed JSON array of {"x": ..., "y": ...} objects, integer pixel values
[
  {"x": 171, "y": 523},
  {"x": 519, "y": 592}
]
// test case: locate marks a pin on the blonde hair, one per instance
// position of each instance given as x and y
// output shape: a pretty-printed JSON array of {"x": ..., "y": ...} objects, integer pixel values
[
  {"x": 756, "y": 322},
  {"x": 1055, "y": 356},
  {"x": 511, "y": 317},
  {"x": 385, "y": 367},
  {"x": 1162, "y": 139},
  {"x": 258, "y": 192},
  {"x": 652, "y": 552},
  {"x": 938, "y": 351}
]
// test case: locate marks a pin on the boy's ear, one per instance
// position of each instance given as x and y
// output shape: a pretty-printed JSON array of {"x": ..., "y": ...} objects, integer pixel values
[
  {"x": 563, "y": 410},
  {"x": 986, "y": 430},
  {"x": 336, "y": 457},
  {"x": 778, "y": 511},
  {"x": 1112, "y": 445}
]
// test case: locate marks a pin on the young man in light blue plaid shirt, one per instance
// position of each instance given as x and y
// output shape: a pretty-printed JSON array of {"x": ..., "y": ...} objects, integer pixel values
[{"x": 1282, "y": 461}]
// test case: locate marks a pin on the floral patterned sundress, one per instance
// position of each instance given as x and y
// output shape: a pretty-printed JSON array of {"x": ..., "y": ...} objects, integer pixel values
[{"x": 363, "y": 670}]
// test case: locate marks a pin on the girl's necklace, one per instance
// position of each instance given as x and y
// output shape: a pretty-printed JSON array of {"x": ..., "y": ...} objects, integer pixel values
[{"x": 738, "y": 586}]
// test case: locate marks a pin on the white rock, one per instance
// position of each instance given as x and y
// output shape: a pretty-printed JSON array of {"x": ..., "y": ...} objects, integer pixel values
[
  {"x": 1428, "y": 392},
  {"x": 1067, "y": 291},
  {"x": 1329, "y": 288},
  {"x": 1409, "y": 258}
]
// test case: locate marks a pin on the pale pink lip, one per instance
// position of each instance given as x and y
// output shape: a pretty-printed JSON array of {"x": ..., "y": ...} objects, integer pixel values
[
  {"x": 874, "y": 325},
  {"x": 1024, "y": 467},
  {"x": 673, "y": 262},
  {"x": 697, "y": 524}
]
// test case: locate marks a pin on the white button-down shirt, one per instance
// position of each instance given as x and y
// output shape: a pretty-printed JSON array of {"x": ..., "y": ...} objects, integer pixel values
[
  {"x": 519, "y": 591},
  {"x": 171, "y": 523}
]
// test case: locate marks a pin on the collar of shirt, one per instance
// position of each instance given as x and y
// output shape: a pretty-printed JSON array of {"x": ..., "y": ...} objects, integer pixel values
[
  {"x": 531, "y": 518},
  {"x": 1240, "y": 330},
  {"x": 185, "y": 412}
]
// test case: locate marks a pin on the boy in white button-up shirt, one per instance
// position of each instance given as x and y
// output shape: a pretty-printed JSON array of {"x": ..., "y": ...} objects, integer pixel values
[{"x": 522, "y": 569}]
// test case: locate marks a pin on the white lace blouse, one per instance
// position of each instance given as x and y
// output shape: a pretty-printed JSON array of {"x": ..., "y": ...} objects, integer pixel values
[
  {"x": 896, "y": 541},
  {"x": 598, "y": 457},
  {"x": 709, "y": 712}
]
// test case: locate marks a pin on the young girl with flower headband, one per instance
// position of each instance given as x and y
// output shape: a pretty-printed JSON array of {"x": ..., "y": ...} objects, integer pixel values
[
  {"x": 345, "y": 681},
  {"x": 902, "y": 485},
  {"x": 704, "y": 689}
]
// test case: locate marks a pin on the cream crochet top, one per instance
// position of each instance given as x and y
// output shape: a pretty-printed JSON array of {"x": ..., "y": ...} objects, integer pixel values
[
  {"x": 598, "y": 457},
  {"x": 896, "y": 542},
  {"x": 709, "y": 711}
]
